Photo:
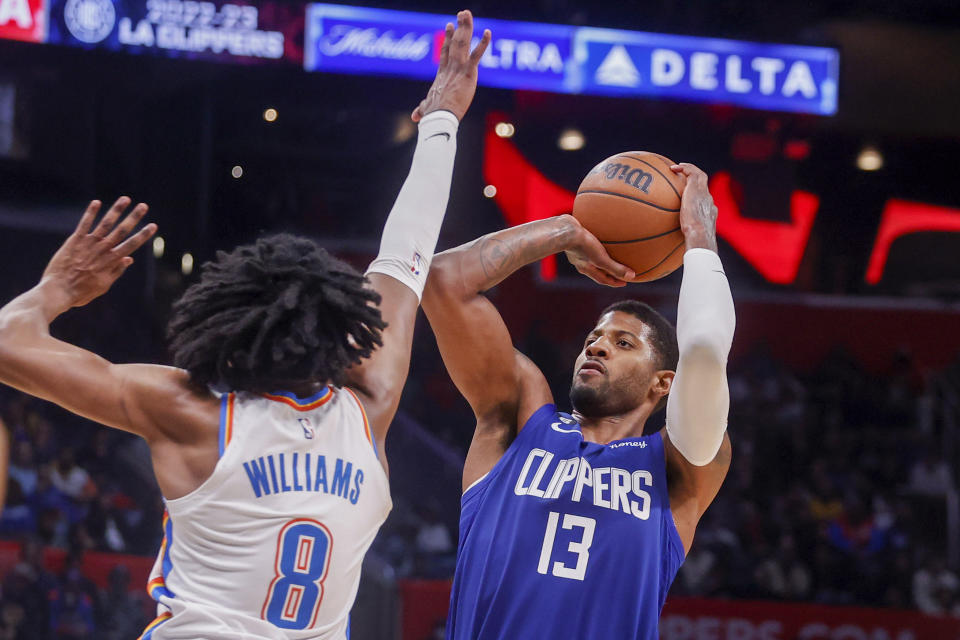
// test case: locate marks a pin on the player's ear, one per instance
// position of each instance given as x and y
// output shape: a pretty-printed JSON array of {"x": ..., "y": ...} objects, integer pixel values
[{"x": 663, "y": 381}]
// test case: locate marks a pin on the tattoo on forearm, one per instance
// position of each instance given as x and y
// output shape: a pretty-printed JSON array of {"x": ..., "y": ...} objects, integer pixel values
[
  {"x": 495, "y": 256},
  {"x": 502, "y": 253}
]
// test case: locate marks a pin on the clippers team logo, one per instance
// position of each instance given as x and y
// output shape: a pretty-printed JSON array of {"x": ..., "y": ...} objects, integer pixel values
[
  {"x": 89, "y": 21},
  {"x": 556, "y": 427},
  {"x": 416, "y": 264},
  {"x": 307, "y": 427}
]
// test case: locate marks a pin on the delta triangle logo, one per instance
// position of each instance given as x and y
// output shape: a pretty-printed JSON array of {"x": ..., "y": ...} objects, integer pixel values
[{"x": 617, "y": 69}]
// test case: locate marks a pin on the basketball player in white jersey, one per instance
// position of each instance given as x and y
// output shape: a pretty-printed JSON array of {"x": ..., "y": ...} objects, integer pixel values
[{"x": 275, "y": 487}]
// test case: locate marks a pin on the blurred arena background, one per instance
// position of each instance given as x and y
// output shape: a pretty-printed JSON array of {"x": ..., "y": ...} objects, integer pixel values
[{"x": 839, "y": 207}]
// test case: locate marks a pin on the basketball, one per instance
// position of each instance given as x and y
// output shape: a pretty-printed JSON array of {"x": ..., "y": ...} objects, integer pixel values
[{"x": 631, "y": 203}]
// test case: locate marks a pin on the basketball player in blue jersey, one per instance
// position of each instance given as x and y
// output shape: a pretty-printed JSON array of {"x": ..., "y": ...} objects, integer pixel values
[
  {"x": 574, "y": 525},
  {"x": 275, "y": 487}
]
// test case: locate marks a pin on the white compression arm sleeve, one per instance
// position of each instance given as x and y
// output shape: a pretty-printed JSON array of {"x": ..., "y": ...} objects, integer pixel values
[
  {"x": 699, "y": 398},
  {"x": 410, "y": 234}
]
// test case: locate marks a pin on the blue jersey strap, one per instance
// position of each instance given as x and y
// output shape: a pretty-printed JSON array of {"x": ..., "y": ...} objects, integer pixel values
[{"x": 542, "y": 416}]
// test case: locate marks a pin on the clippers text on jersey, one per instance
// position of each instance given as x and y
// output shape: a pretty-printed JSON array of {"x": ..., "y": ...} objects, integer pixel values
[{"x": 610, "y": 487}]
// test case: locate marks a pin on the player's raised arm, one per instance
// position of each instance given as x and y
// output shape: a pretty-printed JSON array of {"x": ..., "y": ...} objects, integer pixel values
[
  {"x": 410, "y": 235},
  {"x": 699, "y": 449},
  {"x": 85, "y": 267},
  {"x": 502, "y": 386}
]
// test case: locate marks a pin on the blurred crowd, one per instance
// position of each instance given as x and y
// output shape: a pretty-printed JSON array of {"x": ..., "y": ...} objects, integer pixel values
[
  {"x": 839, "y": 493},
  {"x": 38, "y": 604},
  {"x": 74, "y": 487}
]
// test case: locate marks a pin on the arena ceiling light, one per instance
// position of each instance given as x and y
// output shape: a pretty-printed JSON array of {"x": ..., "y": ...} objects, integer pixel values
[
  {"x": 158, "y": 247},
  {"x": 571, "y": 140},
  {"x": 869, "y": 159},
  {"x": 403, "y": 129},
  {"x": 270, "y": 114},
  {"x": 504, "y": 129},
  {"x": 237, "y": 172},
  {"x": 489, "y": 191}
]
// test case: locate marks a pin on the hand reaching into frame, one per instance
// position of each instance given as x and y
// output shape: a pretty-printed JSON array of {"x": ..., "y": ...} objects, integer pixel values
[
  {"x": 456, "y": 82},
  {"x": 92, "y": 258}
]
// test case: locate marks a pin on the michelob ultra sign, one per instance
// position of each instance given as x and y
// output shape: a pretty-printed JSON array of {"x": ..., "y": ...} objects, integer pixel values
[{"x": 566, "y": 59}]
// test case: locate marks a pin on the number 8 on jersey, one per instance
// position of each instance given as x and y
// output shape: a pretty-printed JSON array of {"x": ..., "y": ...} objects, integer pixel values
[{"x": 303, "y": 556}]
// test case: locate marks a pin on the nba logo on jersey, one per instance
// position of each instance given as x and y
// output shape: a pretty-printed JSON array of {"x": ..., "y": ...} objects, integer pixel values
[{"x": 308, "y": 432}]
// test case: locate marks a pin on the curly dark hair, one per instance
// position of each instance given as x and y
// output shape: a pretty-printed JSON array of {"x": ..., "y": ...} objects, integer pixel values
[{"x": 274, "y": 314}]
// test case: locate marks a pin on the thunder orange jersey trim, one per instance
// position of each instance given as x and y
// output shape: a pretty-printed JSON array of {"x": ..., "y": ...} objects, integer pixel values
[
  {"x": 366, "y": 422},
  {"x": 226, "y": 420},
  {"x": 159, "y": 620},
  {"x": 307, "y": 404},
  {"x": 158, "y": 586}
]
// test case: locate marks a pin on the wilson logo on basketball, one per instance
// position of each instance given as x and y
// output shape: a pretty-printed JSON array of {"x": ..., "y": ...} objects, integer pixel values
[
  {"x": 636, "y": 178},
  {"x": 634, "y": 216}
]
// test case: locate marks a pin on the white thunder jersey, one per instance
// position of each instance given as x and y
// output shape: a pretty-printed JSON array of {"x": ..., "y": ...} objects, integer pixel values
[{"x": 270, "y": 545}]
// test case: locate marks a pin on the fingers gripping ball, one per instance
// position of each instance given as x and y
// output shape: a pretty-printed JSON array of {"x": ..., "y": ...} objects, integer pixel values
[{"x": 631, "y": 203}]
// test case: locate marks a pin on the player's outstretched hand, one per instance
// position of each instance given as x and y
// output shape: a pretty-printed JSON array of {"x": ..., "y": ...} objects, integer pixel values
[
  {"x": 456, "y": 80},
  {"x": 698, "y": 213},
  {"x": 592, "y": 260},
  {"x": 92, "y": 259}
]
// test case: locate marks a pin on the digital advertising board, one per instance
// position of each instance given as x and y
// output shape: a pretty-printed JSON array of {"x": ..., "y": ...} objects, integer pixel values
[
  {"x": 378, "y": 41},
  {"x": 232, "y": 31},
  {"x": 760, "y": 76},
  {"x": 567, "y": 59},
  {"x": 366, "y": 41}
]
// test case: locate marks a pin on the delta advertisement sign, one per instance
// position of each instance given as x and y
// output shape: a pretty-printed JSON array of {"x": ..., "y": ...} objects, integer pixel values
[
  {"x": 762, "y": 76},
  {"x": 566, "y": 59},
  {"x": 219, "y": 31}
]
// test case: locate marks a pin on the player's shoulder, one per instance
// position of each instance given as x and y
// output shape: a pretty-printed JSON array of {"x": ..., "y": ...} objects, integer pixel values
[
  {"x": 160, "y": 383},
  {"x": 166, "y": 398}
]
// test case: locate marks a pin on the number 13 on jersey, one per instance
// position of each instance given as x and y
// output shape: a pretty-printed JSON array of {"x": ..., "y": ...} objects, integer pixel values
[
  {"x": 581, "y": 547},
  {"x": 303, "y": 557}
]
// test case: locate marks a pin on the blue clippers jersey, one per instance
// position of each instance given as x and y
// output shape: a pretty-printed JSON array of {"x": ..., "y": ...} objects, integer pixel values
[{"x": 566, "y": 539}]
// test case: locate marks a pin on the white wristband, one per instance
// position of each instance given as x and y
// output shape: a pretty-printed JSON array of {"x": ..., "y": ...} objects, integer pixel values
[{"x": 413, "y": 226}]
